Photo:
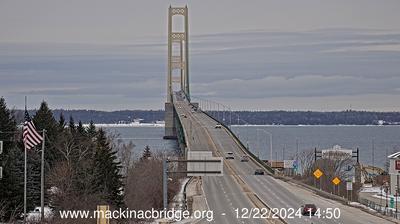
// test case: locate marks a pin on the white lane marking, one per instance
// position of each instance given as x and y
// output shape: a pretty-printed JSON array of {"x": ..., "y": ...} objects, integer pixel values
[
  {"x": 202, "y": 188},
  {"x": 271, "y": 191}
]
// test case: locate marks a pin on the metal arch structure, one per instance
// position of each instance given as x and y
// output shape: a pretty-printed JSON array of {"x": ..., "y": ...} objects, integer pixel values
[{"x": 178, "y": 59}]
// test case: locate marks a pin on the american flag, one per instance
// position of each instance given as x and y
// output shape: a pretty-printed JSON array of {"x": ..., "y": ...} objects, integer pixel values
[{"x": 31, "y": 137}]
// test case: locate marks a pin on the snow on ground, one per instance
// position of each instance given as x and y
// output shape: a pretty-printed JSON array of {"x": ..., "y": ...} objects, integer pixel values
[
  {"x": 371, "y": 190},
  {"x": 359, "y": 205},
  {"x": 384, "y": 196}
]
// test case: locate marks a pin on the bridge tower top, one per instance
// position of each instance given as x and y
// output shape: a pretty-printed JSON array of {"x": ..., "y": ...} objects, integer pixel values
[{"x": 178, "y": 53}]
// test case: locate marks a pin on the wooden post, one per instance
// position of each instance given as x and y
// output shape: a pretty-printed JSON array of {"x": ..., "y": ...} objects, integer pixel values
[{"x": 102, "y": 219}]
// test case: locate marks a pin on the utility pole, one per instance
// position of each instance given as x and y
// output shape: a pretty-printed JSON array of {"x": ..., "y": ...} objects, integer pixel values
[
  {"x": 230, "y": 118},
  {"x": 270, "y": 142},
  {"x": 223, "y": 114},
  {"x": 218, "y": 111}
]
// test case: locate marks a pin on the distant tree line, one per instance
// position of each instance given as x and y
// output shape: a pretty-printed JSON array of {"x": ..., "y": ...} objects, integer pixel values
[
  {"x": 105, "y": 117},
  {"x": 348, "y": 117}
]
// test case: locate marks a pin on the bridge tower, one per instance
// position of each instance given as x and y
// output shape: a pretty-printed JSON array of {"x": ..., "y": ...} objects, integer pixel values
[{"x": 178, "y": 60}]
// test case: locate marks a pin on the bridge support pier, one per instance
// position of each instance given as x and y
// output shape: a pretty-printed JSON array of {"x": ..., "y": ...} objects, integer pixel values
[{"x": 170, "y": 125}]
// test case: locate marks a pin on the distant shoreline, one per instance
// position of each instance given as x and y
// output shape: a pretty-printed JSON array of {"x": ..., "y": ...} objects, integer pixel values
[
  {"x": 273, "y": 118},
  {"x": 242, "y": 125}
]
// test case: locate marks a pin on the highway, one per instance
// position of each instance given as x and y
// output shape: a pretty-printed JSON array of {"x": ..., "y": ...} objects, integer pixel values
[{"x": 225, "y": 194}]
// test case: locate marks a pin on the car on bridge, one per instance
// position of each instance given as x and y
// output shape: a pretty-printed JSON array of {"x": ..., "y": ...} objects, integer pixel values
[
  {"x": 245, "y": 158},
  {"x": 308, "y": 209},
  {"x": 259, "y": 172},
  {"x": 229, "y": 155}
]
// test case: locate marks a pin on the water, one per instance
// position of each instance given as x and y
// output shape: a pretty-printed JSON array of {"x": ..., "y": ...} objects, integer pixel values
[
  {"x": 142, "y": 136},
  {"x": 373, "y": 141}
]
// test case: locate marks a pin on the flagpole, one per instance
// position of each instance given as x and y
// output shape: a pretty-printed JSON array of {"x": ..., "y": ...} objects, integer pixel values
[
  {"x": 42, "y": 178},
  {"x": 25, "y": 176},
  {"x": 25, "y": 189}
]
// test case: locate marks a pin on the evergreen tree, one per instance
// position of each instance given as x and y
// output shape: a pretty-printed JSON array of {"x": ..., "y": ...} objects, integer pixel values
[
  {"x": 61, "y": 122},
  {"x": 106, "y": 171},
  {"x": 71, "y": 125},
  {"x": 146, "y": 153},
  {"x": 44, "y": 119},
  {"x": 8, "y": 126},
  {"x": 91, "y": 130},
  {"x": 81, "y": 130},
  {"x": 11, "y": 186}
]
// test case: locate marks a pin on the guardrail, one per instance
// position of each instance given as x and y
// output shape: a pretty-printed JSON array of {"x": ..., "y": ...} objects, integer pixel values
[
  {"x": 383, "y": 210},
  {"x": 262, "y": 163}
]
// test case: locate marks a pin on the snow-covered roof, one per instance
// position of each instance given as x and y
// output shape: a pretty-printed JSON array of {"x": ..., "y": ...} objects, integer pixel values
[{"x": 394, "y": 155}]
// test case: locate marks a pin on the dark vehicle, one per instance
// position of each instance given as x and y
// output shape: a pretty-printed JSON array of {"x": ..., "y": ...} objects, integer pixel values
[
  {"x": 259, "y": 172},
  {"x": 244, "y": 158},
  {"x": 308, "y": 209}
]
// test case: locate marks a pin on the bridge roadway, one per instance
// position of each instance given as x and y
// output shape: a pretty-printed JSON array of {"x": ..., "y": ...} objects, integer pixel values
[{"x": 225, "y": 194}]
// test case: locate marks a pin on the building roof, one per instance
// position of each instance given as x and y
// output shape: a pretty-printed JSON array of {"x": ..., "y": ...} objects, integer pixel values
[{"x": 394, "y": 155}]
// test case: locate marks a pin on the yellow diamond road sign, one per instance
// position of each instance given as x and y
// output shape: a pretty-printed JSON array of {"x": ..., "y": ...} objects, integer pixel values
[
  {"x": 336, "y": 181},
  {"x": 318, "y": 173}
]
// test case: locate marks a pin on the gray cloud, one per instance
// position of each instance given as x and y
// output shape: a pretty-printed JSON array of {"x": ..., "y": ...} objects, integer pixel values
[
  {"x": 234, "y": 67},
  {"x": 300, "y": 86}
]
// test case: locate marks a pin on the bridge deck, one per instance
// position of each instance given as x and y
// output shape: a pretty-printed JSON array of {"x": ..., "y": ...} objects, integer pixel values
[{"x": 225, "y": 193}]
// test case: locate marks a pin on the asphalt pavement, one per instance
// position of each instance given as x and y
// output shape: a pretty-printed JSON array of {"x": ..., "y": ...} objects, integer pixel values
[{"x": 229, "y": 199}]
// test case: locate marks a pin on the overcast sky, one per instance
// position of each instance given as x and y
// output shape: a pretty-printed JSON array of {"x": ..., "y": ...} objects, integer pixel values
[{"x": 258, "y": 55}]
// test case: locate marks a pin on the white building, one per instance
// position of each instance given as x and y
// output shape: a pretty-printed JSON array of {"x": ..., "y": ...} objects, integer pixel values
[{"x": 394, "y": 172}]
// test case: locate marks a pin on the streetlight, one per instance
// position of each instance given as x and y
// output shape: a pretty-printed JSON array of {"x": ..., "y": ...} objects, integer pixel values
[
  {"x": 230, "y": 114},
  {"x": 270, "y": 141}
]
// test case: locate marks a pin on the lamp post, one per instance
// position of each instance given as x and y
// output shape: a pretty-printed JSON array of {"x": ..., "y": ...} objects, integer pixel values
[
  {"x": 270, "y": 141},
  {"x": 230, "y": 116}
]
